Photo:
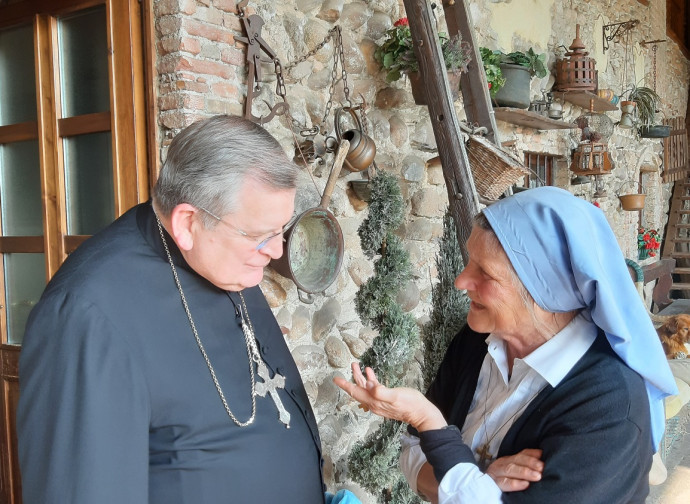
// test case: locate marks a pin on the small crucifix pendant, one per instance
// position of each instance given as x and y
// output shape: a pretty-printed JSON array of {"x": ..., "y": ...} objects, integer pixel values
[
  {"x": 484, "y": 455},
  {"x": 271, "y": 385}
]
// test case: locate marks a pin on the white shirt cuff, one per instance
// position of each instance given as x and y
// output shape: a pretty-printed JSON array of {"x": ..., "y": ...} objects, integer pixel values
[{"x": 412, "y": 459}]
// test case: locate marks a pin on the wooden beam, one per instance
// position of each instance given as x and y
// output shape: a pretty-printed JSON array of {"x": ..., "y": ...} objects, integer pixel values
[
  {"x": 18, "y": 132},
  {"x": 97, "y": 122},
  {"x": 476, "y": 98},
  {"x": 462, "y": 195}
]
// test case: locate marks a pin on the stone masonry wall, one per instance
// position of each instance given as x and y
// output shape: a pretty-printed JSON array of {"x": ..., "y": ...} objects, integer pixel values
[{"x": 201, "y": 71}]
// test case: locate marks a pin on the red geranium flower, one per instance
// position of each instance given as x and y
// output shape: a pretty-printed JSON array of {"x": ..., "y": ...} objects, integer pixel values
[
  {"x": 648, "y": 242},
  {"x": 402, "y": 22}
]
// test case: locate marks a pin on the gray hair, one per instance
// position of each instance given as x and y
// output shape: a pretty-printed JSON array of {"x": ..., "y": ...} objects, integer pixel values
[{"x": 208, "y": 162}]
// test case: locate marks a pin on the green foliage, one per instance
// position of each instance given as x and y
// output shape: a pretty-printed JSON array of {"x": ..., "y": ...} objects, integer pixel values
[
  {"x": 535, "y": 62},
  {"x": 396, "y": 53},
  {"x": 492, "y": 67},
  {"x": 449, "y": 305},
  {"x": 395, "y": 345},
  {"x": 378, "y": 293},
  {"x": 385, "y": 213},
  {"x": 374, "y": 463},
  {"x": 648, "y": 101},
  {"x": 402, "y": 494}
]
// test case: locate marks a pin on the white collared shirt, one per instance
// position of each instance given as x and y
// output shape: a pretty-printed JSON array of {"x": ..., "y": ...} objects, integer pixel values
[{"x": 498, "y": 401}]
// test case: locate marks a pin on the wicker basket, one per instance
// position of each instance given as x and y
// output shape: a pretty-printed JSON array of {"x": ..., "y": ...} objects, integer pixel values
[{"x": 494, "y": 170}]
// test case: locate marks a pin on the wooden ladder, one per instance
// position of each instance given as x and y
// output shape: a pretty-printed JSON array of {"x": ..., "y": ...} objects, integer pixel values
[
  {"x": 462, "y": 195},
  {"x": 676, "y": 242}
]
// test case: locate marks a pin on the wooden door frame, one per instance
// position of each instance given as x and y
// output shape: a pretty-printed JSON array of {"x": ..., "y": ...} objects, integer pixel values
[{"x": 130, "y": 46}]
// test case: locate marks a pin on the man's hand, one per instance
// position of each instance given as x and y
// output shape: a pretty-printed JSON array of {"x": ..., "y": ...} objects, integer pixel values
[{"x": 515, "y": 472}]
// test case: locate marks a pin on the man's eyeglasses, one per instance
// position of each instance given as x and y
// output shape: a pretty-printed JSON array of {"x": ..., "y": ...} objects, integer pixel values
[{"x": 260, "y": 240}]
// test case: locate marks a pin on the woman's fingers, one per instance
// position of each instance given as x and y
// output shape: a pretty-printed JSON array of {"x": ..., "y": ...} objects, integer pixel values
[
  {"x": 531, "y": 459},
  {"x": 371, "y": 377},
  {"x": 357, "y": 376},
  {"x": 515, "y": 472}
]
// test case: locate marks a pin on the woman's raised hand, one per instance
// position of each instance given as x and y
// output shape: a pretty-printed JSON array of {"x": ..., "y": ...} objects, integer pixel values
[{"x": 401, "y": 403}]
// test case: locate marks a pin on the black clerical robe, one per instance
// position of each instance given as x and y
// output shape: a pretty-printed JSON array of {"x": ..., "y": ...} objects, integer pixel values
[{"x": 118, "y": 405}]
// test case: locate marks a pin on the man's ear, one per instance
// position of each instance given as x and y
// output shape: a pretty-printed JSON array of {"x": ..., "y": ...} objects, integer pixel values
[{"x": 182, "y": 225}]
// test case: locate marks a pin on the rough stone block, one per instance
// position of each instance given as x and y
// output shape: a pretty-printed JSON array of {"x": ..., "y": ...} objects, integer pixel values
[
  {"x": 339, "y": 355},
  {"x": 325, "y": 319}
]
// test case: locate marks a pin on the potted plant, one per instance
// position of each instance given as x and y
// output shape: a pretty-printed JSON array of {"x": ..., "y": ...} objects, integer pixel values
[
  {"x": 492, "y": 67},
  {"x": 517, "y": 68},
  {"x": 648, "y": 243},
  {"x": 647, "y": 102},
  {"x": 396, "y": 55}
]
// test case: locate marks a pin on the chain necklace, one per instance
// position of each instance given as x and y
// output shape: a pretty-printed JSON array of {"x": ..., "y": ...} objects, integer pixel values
[
  {"x": 257, "y": 388},
  {"x": 485, "y": 457}
]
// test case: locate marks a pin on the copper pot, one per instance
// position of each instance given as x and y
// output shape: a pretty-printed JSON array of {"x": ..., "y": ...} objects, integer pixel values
[
  {"x": 313, "y": 246},
  {"x": 362, "y": 147}
]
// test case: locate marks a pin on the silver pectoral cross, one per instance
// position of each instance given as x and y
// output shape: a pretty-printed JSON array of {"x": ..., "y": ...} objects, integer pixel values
[{"x": 271, "y": 385}]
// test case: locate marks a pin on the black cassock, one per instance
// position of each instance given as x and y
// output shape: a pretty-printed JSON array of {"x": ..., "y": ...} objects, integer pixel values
[{"x": 118, "y": 405}]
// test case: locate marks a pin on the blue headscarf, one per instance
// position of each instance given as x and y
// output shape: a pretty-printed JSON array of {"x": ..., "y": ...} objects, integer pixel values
[{"x": 566, "y": 255}]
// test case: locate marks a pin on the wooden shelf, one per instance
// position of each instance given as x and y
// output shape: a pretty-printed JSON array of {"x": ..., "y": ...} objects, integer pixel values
[
  {"x": 582, "y": 99},
  {"x": 534, "y": 120}
]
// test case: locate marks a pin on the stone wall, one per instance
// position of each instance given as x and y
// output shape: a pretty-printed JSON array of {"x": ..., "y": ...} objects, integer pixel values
[{"x": 202, "y": 71}]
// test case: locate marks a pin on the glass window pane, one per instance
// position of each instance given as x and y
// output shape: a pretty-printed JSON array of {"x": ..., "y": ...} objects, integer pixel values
[
  {"x": 84, "y": 62},
  {"x": 89, "y": 183},
  {"x": 20, "y": 189},
  {"x": 17, "y": 76},
  {"x": 25, "y": 279}
]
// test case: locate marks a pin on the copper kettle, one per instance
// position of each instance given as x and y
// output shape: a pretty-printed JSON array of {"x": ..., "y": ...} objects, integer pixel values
[{"x": 362, "y": 147}]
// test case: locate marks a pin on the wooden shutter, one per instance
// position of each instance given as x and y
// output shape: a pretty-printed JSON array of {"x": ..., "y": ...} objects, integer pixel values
[{"x": 676, "y": 151}]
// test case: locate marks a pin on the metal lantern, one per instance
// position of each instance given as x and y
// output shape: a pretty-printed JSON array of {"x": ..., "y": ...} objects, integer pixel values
[
  {"x": 593, "y": 127},
  {"x": 576, "y": 71},
  {"x": 591, "y": 156}
]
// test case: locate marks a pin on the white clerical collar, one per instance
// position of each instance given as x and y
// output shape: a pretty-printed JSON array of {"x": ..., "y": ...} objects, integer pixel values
[{"x": 555, "y": 358}]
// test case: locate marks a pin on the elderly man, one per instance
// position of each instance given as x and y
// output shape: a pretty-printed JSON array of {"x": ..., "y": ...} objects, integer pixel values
[{"x": 153, "y": 370}]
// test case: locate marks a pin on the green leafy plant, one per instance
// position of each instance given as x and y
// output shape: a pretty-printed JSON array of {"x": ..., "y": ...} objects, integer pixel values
[
  {"x": 536, "y": 63},
  {"x": 396, "y": 53},
  {"x": 492, "y": 67},
  {"x": 648, "y": 102}
]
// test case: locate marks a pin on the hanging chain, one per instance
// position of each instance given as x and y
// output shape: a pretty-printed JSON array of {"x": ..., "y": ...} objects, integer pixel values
[
  {"x": 339, "y": 43},
  {"x": 334, "y": 34},
  {"x": 654, "y": 63},
  {"x": 313, "y": 52}
]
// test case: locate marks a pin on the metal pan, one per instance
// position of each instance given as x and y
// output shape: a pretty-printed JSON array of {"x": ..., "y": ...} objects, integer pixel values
[{"x": 313, "y": 247}]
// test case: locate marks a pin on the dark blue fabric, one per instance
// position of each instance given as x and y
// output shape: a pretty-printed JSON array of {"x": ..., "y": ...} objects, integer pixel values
[
  {"x": 593, "y": 428},
  {"x": 118, "y": 406},
  {"x": 444, "y": 449}
]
